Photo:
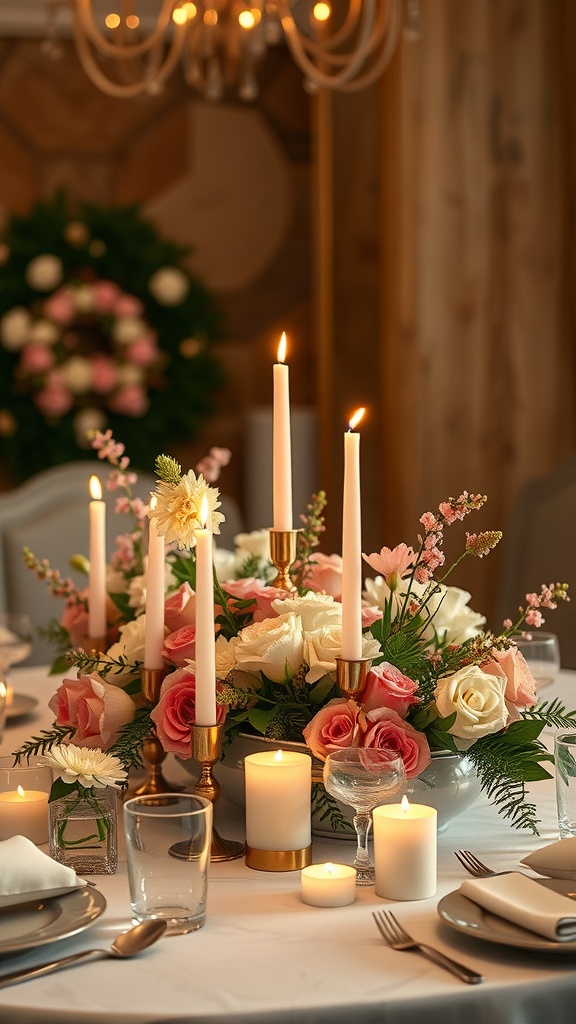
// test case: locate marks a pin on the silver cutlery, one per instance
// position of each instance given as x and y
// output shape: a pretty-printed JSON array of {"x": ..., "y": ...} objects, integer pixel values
[
  {"x": 397, "y": 937},
  {"x": 478, "y": 869},
  {"x": 125, "y": 945}
]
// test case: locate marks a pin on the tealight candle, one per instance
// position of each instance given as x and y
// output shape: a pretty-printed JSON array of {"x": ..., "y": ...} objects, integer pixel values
[
  {"x": 405, "y": 850},
  {"x": 278, "y": 821},
  {"x": 24, "y": 812},
  {"x": 328, "y": 885}
]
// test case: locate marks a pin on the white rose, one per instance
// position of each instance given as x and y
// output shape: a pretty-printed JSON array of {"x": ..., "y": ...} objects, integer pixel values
[
  {"x": 169, "y": 286},
  {"x": 321, "y": 648},
  {"x": 130, "y": 646},
  {"x": 453, "y": 620},
  {"x": 315, "y": 610},
  {"x": 44, "y": 332},
  {"x": 44, "y": 272},
  {"x": 127, "y": 329},
  {"x": 77, "y": 375},
  {"x": 377, "y": 592},
  {"x": 224, "y": 657},
  {"x": 273, "y": 646},
  {"x": 15, "y": 328},
  {"x": 116, "y": 582},
  {"x": 224, "y": 564},
  {"x": 137, "y": 593},
  {"x": 255, "y": 543},
  {"x": 478, "y": 700}
]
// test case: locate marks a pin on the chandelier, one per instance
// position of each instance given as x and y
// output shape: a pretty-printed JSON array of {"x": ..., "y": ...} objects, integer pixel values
[{"x": 131, "y": 47}]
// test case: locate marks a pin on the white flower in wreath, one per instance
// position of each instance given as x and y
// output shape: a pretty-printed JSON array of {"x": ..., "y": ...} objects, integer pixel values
[
  {"x": 44, "y": 272},
  {"x": 44, "y": 332},
  {"x": 83, "y": 298},
  {"x": 169, "y": 286},
  {"x": 15, "y": 328},
  {"x": 273, "y": 646},
  {"x": 224, "y": 564},
  {"x": 315, "y": 610},
  {"x": 224, "y": 657},
  {"x": 129, "y": 374},
  {"x": 477, "y": 697},
  {"x": 127, "y": 329},
  {"x": 130, "y": 647},
  {"x": 87, "y": 420},
  {"x": 77, "y": 375}
]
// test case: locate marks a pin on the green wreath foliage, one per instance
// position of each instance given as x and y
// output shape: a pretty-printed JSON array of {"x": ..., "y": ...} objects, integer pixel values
[{"x": 119, "y": 247}]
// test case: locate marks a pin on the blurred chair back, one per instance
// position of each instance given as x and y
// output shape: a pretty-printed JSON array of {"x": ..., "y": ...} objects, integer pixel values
[
  {"x": 49, "y": 515},
  {"x": 539, "y": 547}
]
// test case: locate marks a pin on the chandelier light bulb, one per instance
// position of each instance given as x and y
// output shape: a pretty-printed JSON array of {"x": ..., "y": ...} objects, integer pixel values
[
  {"x": 179, "y": 16},
  {"x": 132, "y": 21},
  {"x": 246, "y": 20},
  {"x": 321, "y": 11},
  {"x": 112, "y": 20}
]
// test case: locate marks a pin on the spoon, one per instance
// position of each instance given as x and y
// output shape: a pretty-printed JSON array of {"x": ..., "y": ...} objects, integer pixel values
[{"x": 125, "y": 945}]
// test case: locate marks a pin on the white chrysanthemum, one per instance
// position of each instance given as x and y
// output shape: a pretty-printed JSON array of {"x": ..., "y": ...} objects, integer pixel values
[
  {"x": 169, "y": 286},
  {"x": 177, "y": 512},
  {"x": 44, "y": 272},
  {"x": 87, "y": 766}
]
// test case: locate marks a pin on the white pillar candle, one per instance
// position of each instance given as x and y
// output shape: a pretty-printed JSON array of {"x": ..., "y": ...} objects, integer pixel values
[
  {"x": 282, "y": 447},
  {"x": 352, "y": 546},
  {"x": 97, "y": 580},
  {"x": 278, "y": 788},
  {"x": 154, "y": 633},
  {"x": 405, "y": 851},
  {"x": 24, "y": 813},
  {"x": 328, "y": 885},
  {"x": 205, "y": 638}
]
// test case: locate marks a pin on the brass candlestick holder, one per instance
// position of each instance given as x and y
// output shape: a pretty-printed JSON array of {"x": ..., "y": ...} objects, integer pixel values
[
  {"x": 152, "y": 750},
  {"x": 206, "y": 750},
  {"x": 93, "y": 644},
  {"x": 283, "y": 544},
  {"x": 352, "y": 676}
]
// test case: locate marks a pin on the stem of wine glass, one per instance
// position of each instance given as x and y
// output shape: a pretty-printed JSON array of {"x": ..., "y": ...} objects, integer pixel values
[{"x": 362, "y": 824}]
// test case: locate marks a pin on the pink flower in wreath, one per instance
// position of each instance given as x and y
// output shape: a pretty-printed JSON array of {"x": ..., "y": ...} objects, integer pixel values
[
  {"x": 180, "y": 646},
  {"x": 60, "y": 306},
  {"x": 384, "y": 729},
  {"x": 75, "y": 619},
  {"x": 175, "y": 712},
  {"x": 128, "y": 305},
  {"x": 143, "y": 350},
  {"x": 325, "y": 574},
  {"x": 104, "y": 373},
  {"x": 36, "y": 359},
  {"x": 104, "y": 295},
  {"x": 130, "y": 400},
  {"x": 180, "y": 608},
  {"x": 334, "y": 727},
  {"x": 520, "y": 683},
  {"x": 392, "y": 563},
  {"x": 95, "y": 708},
  {"x": 387, "y": 687},
  {"x": 54, "y": 400}
]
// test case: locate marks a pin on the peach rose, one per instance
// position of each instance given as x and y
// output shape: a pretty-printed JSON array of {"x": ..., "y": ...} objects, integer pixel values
[
  {"x": 180, "y": 646},
  {"x": 175, "y": 712},
  {"x": 520, "y": 683},
  {"x": 75, "y": 619},
  {"x": 385, "y": 730},
  {"x": 325, "y": 574},
  {"x": 95, "y": 708},
  {"x": 387, "y": 687},
  {"x": 180, "y": 608},
  {"x": 334, "y": 727}
]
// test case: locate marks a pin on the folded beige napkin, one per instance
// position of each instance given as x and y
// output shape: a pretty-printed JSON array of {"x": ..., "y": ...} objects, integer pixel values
[
  {"x": 526, "y": 902},
  {"x": 558, "y": 860},
  {"x": 27, "y": 873}
]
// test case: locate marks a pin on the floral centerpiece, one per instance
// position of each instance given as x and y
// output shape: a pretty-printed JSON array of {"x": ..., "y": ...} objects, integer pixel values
[{"x": 439, "y": 681}]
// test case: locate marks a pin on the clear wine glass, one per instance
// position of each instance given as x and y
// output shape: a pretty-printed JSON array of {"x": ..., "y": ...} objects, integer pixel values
[
  {"x": 15, "y": 639},
  {"x": 363, "y": 778},
  {"x": 542, "y": 652}
]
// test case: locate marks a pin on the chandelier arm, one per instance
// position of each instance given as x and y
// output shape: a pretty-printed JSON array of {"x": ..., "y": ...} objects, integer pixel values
[
  {"x": 315, "y": 73},
  {"x": 384, "y": 24},
  {"x": 371, "y": 76},
  {"x": 314, "y": 48},
  {"x": 83, "y": 14},
  {"x": 115, "y": 89}
]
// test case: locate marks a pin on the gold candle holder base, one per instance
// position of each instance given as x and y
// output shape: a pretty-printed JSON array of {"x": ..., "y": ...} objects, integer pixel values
[
  {"x": 283, "y": 545},
  {"x": 206, "y": 750},
  {"x": 152, "y": 750},
  {"x": 278, "y": 860},
  {"x": 351, "y": 677},
  {"x": 93, "y": 644}
]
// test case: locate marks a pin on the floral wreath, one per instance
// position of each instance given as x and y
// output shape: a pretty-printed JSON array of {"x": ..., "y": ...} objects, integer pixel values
[{"x": 100, "y": 328}]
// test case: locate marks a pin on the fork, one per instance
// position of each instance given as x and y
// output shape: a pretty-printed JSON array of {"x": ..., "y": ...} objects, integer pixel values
[
  {"x": 476, "y": 867},
  {"x": 397, "y": 937}
]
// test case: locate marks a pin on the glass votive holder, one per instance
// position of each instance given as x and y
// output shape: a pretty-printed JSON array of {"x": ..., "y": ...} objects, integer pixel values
[{"x": 24, "y": 792}]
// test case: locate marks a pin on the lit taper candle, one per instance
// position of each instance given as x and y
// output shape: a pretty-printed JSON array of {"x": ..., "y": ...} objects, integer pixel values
[
  {"x": 282, "y": 448},
  {"x": 97, "y": 579},
  {"x": 154, "y": 633},
  {"x": 205, "y": 639},
  {"x": 352, "y": 545}
]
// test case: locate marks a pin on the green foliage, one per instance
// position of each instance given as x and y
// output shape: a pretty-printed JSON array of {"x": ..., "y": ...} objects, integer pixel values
[
  {"x": 128, "y": 746},
  {"x": 48, "y": 738},
  {"x": 324, "y": 805},
  {"x": 168, "y": 470}
]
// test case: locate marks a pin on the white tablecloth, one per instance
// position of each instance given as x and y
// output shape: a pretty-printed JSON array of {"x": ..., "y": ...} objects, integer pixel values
[{"x": 264, "y": 956}]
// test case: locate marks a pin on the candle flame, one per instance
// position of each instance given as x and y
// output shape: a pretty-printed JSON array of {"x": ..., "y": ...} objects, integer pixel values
[
  {"x": 95, "y": 488},
  {"x": 204, "y": 512},
  {"x": 282, "y": 348},
  {"x": 329, "y": 868},
  {"x": 3, "y": 689},
  {"x": 20, "y": 791},
  {"x": 404, "y": 804},
  {"x": 355, "y": 419},
  {"x": 278, "y": 756}
]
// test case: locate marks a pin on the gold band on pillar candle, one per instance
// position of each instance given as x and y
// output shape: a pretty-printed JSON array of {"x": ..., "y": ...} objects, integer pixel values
[
  {"x": 351, "y": 677},
  {"x": 278, "y": 860}
]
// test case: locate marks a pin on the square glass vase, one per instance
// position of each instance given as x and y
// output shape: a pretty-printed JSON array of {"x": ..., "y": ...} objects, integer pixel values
[{"x": 83, "y": 831}]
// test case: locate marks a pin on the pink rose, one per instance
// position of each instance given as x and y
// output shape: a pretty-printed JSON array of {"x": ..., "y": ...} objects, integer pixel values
[
  {"x": 60, "y": 307},
  {"x": 130, "y": 400},
  {"x": 104, "y": 294},
  {"x": 180, "y": 646},
  {"x": 370, "y": 614},
  {"x": 520, "y": 683},
  {"x": 36, "y": 359},
  {"x": 387, "y": 687},
  {"x": 54, "y": 401},
  {"x": 143, "y": 350},
  {"x": 251, "y": 589},
  {"x": 75, "y": 619},
  {"x": 104, "y": 373},
  {"x": 95, "y": 708},
  {"x": 385, "y": 730},
  {"x": 175, "y": 712},
  {"x": 332, "y": 728},
  {"x": 128, "y": 305},
  {"x": 325, "y": 574},
  {"x": 180, "y": 608}
]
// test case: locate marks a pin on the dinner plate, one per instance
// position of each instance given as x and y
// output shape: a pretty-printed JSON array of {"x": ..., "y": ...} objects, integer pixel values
[
  {"x": 20, "y": 705},
  {"x": 39, "y": 922},
  {"x": 468, "y": 917}
]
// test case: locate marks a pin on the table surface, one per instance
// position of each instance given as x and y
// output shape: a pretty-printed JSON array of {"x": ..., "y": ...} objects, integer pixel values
[{"x": 265, "y": 956}]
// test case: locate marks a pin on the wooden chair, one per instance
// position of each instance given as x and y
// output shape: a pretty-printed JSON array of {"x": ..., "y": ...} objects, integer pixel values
[
  {"x": 49, "y": 515},
  {"x": 539, "y": 546}
]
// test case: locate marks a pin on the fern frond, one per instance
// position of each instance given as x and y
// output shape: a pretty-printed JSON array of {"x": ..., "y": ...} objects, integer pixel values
[
  {"x": 551, "y": 713},
  {"x": 48, "y": 738},
  {"x": 325, "y": 806},
  {"x": 128, "y": 746}
]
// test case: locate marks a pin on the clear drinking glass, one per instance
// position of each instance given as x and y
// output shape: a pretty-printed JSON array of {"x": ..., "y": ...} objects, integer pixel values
[
  {"x": 83, "y": 831},
  {"x": 542, "y": 652},
  {"x": 168, "y": 852},
  {"x": 565, "y": 765},
  {"x": 363, "y": 778}
]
